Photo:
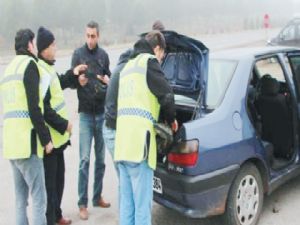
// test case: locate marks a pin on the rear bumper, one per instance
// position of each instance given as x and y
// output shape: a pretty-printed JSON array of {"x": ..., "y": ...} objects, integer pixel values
[{"x": 196, "y": 196}]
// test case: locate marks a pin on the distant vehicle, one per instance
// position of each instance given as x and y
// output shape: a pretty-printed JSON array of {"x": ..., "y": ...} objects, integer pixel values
[
  {"x": 289, "y": 35},
  {"x": 239, "y": 129}
]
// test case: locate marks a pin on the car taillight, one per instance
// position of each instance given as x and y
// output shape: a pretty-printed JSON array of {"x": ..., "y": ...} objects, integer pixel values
[{"x": 184, "y": 153}]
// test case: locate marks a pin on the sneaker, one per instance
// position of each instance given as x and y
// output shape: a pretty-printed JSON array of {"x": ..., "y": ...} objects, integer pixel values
[
  {"x": 64, "y": 221},
  {"x": 102, "y": 203},
  {"x": 83, "y": 213}
]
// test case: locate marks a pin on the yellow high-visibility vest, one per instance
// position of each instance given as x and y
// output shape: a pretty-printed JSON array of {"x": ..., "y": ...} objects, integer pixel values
[
  {"x": 57, "y": 101},
  {"x": 17, "y": 125},
  {"x": 138, "y": 110}
]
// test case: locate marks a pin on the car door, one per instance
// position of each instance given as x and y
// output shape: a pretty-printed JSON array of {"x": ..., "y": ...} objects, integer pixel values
[{"x": 293, "y": 60}]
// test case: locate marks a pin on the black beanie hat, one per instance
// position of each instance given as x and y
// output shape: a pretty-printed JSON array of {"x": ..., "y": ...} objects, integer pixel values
[{"x": 44, "y": 39}]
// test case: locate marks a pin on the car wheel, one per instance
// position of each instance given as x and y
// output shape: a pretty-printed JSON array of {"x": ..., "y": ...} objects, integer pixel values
[{"x": 245, "y": 199}]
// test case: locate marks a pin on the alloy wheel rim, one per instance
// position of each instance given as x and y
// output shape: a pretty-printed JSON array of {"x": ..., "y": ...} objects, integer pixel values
[{"x": 247, "y": 200}]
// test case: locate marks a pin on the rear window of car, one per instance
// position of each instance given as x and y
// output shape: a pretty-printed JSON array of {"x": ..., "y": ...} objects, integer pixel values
[{"x": 220, "y": 73}]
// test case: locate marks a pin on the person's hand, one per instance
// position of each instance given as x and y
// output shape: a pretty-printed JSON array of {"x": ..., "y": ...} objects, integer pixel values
[
  {"x": 82, "y": 80},
  {"x": 79, "y": 68},
  {"x": 69, "y": 128},
  {"x": 105, "y": 79},
  {"x": 174, "y": 126},
  {"x": 49, "y": 148}
]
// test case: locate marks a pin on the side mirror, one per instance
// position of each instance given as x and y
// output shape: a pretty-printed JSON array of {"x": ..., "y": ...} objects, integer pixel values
[{"x": 272, "y": 41}]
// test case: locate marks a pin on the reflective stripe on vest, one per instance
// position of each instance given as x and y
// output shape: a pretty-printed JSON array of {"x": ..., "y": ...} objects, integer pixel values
[
  {"x": 56, "y": 101},
  {"x": 138, "y": 110},
  {"x": 17, "y": 125},
  {"x": 16, "y": 114},
  {"x": 60, "y": 107}
]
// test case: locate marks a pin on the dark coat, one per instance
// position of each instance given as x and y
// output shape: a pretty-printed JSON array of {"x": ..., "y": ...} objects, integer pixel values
[{"x": 92, "y": 96}]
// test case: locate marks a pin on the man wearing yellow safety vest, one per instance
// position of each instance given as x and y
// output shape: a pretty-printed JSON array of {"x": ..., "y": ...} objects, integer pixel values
[
  {"x": 59, "y": 125},
  {"x": 25, "y": 134},
  {"x": 143, "y": 92},
  {"x": 111, "y": 98}
]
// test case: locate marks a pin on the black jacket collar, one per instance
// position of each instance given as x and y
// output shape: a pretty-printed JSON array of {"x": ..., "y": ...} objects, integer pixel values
[
  {"x": 49, "y": 62},
  {"x": 92, "y": 51},
  {"x": 141, "y": 46}
]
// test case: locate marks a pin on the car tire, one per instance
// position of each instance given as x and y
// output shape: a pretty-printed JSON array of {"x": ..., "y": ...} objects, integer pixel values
[{"x": 245, "y": 199}]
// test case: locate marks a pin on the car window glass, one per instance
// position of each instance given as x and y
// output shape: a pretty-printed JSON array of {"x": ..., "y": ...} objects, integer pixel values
[
  {"x": 270, "y": 66},
  {"x": 219, "y": 76},
  {"x": 288, "y": 33}
]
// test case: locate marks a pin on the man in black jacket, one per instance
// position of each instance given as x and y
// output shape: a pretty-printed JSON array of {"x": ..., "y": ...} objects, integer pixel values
[
  {"x": 111, "y": 101},
  {"x": 91, "y": 92}
]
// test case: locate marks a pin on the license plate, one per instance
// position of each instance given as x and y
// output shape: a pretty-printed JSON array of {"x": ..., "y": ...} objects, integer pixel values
[{"x": 157, "y": 186}]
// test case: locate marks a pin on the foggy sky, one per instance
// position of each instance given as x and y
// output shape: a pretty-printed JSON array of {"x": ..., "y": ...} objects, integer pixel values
[{"x": 120, "y": 20}]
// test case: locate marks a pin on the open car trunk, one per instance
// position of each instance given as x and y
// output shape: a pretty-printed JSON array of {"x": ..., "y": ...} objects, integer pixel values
[{"x": 186, "y": 66}]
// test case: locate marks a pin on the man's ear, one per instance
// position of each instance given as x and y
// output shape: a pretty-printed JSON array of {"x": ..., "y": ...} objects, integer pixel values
[{"x": 30, "y": 47}]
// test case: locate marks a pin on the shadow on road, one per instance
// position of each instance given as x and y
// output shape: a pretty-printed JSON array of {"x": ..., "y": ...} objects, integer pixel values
[{"x": 164, "y": 216}]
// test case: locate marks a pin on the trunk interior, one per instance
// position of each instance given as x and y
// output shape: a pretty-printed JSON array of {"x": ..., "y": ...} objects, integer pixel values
[{"x": 185, "y": 109}]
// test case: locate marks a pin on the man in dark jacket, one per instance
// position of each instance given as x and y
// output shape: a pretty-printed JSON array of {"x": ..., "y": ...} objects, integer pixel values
[
  {"x": 111, "y": 100},
  {"x": 60, "y": 127},
  {"x": 91, "y": 93}
]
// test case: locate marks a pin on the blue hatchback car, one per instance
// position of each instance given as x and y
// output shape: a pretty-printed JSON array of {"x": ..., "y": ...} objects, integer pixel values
[{"x": 239, "y": 129}]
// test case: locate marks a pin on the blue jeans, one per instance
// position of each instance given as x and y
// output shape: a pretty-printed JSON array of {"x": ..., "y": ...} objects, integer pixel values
[
  {"x": 90, "y": 126},
  {"x": 29, "y": 177},
  {"x": 109, "y": 135},
  {"x": 136, "y": 182}
]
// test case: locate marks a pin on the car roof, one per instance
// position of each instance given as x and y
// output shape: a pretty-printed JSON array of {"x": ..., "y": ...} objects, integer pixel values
[
  {"x": 240, "y": 53},
  {"x": 296, "y": 19}
]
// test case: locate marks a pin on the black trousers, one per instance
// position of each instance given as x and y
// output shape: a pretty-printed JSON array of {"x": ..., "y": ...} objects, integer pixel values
[{"x": 54, "y": 165}]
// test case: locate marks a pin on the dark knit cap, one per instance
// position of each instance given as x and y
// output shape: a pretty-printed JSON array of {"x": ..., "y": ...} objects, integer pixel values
[
  {"x": 44, "y": 39},
  {"x": 22, "y": 38},
  {"x": 158, "y": 25}
]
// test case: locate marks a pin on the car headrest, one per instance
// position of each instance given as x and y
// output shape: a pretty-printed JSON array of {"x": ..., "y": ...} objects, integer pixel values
[{"x": 269, "y": 85}]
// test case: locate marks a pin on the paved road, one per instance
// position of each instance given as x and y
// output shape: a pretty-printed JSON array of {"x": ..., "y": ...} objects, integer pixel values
[{"x": 285, "y": 201}]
